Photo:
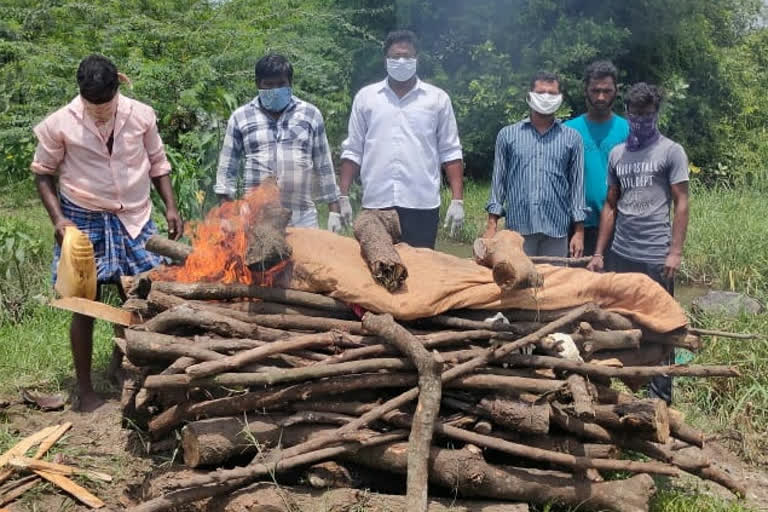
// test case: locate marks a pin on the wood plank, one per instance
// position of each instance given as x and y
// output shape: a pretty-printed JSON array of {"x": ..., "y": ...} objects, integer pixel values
[
  {"x": 51, "y": 440},
  {"x": 16, "y": 493},
  {"x": 22, "y": 447},
  {"x": 72, "y": 488},
  {"x": 32, "y": 464},
  {"x": 97, "y": 310}
]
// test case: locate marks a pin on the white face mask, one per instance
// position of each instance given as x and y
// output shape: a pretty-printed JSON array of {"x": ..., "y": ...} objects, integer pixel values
[
  {"x": 544, "y": 103},
  {"x": 401, "y": 70}
]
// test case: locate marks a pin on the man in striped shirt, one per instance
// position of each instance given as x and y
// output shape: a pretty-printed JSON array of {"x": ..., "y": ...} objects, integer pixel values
[
  {"x": 538, "y": 177},
  {"x": 281, "y": 137}
]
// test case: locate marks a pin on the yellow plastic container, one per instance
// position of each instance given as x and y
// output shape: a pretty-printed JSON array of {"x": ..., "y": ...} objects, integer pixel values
[{"x": 76, "y": 272}]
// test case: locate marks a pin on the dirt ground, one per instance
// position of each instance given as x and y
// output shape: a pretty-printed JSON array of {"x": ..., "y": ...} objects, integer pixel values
[{"x": 97, "y": 441}]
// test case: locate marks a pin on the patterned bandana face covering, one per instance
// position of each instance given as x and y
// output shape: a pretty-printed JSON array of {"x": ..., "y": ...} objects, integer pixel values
[
  {"x": 643, "y": 131},
  {"x": 275, "y": 100}
]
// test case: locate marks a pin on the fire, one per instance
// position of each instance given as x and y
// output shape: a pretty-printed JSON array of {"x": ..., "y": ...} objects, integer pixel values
[{"x": 220, "y": 243}]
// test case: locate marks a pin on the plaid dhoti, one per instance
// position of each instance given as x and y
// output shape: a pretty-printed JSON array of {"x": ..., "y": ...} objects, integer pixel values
[{"x": 117, "y": 254}]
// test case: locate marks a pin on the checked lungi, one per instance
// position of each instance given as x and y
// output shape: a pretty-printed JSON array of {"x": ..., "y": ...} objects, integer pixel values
[{"x": 117, "y": 254}]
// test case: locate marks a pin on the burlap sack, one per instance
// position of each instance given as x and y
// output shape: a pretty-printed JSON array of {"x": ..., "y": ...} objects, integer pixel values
[{"x": 331, "y": 264}]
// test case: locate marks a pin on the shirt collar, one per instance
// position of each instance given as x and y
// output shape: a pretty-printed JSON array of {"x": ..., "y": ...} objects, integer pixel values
[
  {"x": 384, "y": 85},
  {"x": 555, "y": 125}
]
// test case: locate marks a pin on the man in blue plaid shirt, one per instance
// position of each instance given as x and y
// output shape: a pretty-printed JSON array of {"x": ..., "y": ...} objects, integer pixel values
[{"x": 281, "y": 137}]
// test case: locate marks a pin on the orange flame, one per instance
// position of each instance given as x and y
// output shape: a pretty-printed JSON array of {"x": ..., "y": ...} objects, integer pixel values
[{"x": 219, "y": 243}]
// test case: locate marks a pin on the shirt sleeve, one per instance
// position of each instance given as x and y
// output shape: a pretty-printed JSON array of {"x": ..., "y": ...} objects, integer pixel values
[
  {"x": 448, "y": 143},
  {"x": 678, "y": 165},
  {"x": 498, "y": 196},
  {"x": 613, "y": 179},
  {"x": 353, "y": 146},
  {"x": 576, "y": 168},
  {"x": 50, "y": 148},
  {"x": 159, "y": 165},
  {"x": 327, "y": 191},
  {"x": 229, "y": 160}
]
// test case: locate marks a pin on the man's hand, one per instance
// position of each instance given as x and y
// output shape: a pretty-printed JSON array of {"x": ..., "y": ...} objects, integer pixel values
[
  {"x": 345, "y": 208},
  {"x": 596, "y": 264},
  {"x": 454, "y": 217},
  {"x": 60, "y": 227},
  {"x": 175, "y": 224},
  {"x": 576, "y": 248},
  {"x": 672, "y": 265},
  {"x": 334, "y": 222}
]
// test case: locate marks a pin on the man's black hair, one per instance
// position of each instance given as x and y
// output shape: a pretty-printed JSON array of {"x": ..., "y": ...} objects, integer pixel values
[
  {"x": 544, "y": 76},
  {"x": 401, "y": 36},
  {"x": 97, "y": 79},
  {"x": 642, "y": 94},
  {"x": 601, "y": 69},
  {"x": 273, "y": 65}
]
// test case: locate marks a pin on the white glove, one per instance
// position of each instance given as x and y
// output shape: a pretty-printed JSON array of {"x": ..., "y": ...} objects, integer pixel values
[
  {"x": 346, "y": 210},
  {"x": 455, "y": 216},
  {"x": 334, "y": 222}
]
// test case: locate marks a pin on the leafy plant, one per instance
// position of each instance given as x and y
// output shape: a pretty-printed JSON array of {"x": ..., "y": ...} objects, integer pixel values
[{"x": 18, "y": 252}]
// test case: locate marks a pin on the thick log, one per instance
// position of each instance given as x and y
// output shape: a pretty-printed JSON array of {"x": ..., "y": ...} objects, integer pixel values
[
  {"x": 516, "y": 415},
  {"x": 562, "y": 262},
  {"x": 273, "y": 308},
  {"x": 681, "y": 430},
  {"x": 512, "y": 269},
  {"x": 679, "y": 338},
  {"x": 562, "y": 444},
  {"x": 430, "y": 391},
  {"x": 506, "y": 384},
  {"x": 592, "y": 341},
  {"x": 456, "y": 322},
  {"x": 290, "y": 499},
  {"x": 259, "y": 353},
  {"x": 378, "y": 231},
  {"x": 578, "y": 464},
  {"x": 142, "y": 346},
  {"x": 583, "y": 405},
  {"x": 186, "y": 316},
  {"x": 275, "y": 376},
  {"x": 214, "y": 291},
  {"x": 645, "y": 419},
  {"x": 191, "y": 491},
  {"x": 176, "y": 251},
  {"x": 469, "y": 475}
]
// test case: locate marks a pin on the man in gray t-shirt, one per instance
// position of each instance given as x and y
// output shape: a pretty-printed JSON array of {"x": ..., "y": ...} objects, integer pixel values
[{"x": 646, "y": 175}]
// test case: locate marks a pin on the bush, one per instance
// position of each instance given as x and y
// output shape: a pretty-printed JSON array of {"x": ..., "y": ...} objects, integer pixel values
[{"x": 21, "y": 265}]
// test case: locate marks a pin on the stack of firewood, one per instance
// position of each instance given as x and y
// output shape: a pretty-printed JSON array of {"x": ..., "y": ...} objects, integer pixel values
[{"x": 259, "y": 381}]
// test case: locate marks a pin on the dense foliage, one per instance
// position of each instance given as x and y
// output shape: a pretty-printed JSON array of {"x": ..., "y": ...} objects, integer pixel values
[{"x": 193, "y": 59}]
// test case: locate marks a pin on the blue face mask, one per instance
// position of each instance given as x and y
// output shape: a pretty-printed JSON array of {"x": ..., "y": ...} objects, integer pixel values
[{"x": 275, "y": 100}]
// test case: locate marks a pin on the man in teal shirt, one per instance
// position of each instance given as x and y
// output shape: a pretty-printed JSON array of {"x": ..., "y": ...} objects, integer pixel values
[{"x": 601, "y": 130}]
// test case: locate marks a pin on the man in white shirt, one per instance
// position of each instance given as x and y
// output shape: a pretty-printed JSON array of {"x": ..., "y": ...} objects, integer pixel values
[{"x": 401, "y": 132}]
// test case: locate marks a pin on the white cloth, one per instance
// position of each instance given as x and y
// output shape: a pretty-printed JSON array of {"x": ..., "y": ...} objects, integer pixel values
[
  {"x": 566, "y": 348},
  {"x": 400, "y": 144}
]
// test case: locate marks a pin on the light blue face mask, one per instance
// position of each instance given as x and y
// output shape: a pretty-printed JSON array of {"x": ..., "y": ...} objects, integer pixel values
[{"x": 275, "y": 100}]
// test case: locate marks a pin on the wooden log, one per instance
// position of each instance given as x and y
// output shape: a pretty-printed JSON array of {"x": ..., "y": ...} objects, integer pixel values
[
  {"x": 645, "y": 419},
  {"x": 574, "y": 463},
  {"x": 214, "y": 441},
  {"x": 94, "y": 309},
  {"x": 290, "y": 499},
  {"x": 456, "y": 322},
  {"x": 72, "y": 488},
  {"x": 430, "y": 391},
  {"x": 275, "y": 376},
  {"x": 562, "y": 262},
  {"x": 592, "y": 341},
  {"x": 506, "y": 384},
  {"x": 273, "y": 308},
  {"x": 681, "y": 430},
  {"x": 17, "y": 491},
  {"x": 186, "y": 316},
  {"x": 176, "y": 251},
  {"x": 191, "y": 490},
  {"x": 582, "y": 399},
  {"x": 722, "y": 334},
  {"x": 142, "y": 346},
  {"x": 594, "y": 370},
  {"x": 469, "y": 475},
  {"x": 679, "y": 338},
  {"x": 516, "y": 415},
  {"x": 561, "y": 443},
  {"x": 512, "y": 269},
  {"x": 29, "y": 464},
  {"x": 378, "y": 231},
  {"x": 215, "y": 291},
  {"x": 241, "y": 359}
]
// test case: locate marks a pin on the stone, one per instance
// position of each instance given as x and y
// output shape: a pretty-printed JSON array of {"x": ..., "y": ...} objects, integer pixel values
[{"x": 728, "y": 303}]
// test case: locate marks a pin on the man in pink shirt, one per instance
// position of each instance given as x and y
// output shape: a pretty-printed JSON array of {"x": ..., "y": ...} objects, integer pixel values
[{"x": 95, "y": 161}]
